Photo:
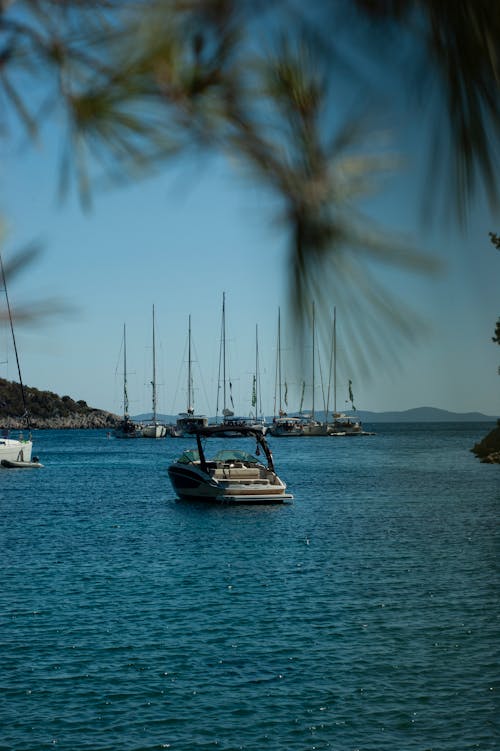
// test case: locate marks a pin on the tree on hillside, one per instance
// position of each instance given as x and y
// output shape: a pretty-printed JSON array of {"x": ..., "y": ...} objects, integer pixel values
[
  {"x": 488, "y": 449},
  {"x": 141, "y": 83}
]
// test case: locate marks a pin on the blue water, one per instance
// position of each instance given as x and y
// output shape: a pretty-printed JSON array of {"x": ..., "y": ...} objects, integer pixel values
[{"x": 363, "y": 617}]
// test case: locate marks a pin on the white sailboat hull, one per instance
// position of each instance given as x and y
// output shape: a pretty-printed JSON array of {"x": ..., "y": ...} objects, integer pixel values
[
  {"x": 154, "y": 431},
  {"x": 13, "y": 450}
]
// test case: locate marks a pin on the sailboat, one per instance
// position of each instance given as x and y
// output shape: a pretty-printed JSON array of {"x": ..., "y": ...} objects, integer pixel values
[
  {"x": 154, "y": 429},
  {"x": 282, "y": 426},
  {"x": 311, "y": 426},
  {"x": 342, "y": 424},
  {"x": 16, "y": 452},
  {"x": 231, "y": 423},
  {"x": 188, "y": 422},
  {"x": 257, "y": 420},
  {"x": 127, "y": 428}
]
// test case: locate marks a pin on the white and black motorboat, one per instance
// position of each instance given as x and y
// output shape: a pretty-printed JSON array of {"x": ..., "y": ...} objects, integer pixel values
[{"x": 231, "y": 475}]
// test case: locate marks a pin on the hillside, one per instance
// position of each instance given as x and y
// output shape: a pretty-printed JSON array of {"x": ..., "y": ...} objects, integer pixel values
[
  {"x": 48, "y": 410},
  {"x": 424, "y": 414}
]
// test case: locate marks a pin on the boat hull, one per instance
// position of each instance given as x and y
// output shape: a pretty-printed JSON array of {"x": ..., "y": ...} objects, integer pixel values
[
  {"x": 192, "y": 483},
  {"x": 13, "y": 450},
  {"x": 127, "y": 429},
  {"x": 154, "y": 431}
]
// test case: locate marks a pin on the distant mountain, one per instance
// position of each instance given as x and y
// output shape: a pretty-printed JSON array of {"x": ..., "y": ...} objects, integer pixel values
[
  {"x": 417, "y": 414},
  {"x": 424, "y": 414}
]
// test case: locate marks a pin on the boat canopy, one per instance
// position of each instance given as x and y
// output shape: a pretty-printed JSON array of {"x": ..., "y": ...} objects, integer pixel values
[{"x": 235, "y": 456}]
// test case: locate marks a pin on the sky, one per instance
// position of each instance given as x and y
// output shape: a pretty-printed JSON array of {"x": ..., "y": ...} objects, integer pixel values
[
  {"x": 179, "y": 241},
  {"x": 196, "y": 230}
]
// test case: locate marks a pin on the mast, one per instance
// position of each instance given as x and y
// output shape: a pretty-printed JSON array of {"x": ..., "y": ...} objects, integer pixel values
[
  {"x": 153, "y": 382},
  {"x": 334, "y": 360},
  {"x": 11, "y": 322},
  {"x": 224, "y": 353},
  {"x": 190, "y": 399},
  {"x": 279, "y": 361},
  {"x": 313, "y": 359},
  {"x": 332, "y": 368},
  {"x": 256, "y": 371},
  {"x": 125, "y": 394}
]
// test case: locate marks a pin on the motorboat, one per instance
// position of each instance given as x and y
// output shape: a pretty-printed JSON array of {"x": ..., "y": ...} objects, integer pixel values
[{"x": 230, "y": 475}]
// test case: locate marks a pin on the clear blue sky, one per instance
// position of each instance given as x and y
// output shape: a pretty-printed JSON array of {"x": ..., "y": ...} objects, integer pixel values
[{"x": 182, "y": 238}]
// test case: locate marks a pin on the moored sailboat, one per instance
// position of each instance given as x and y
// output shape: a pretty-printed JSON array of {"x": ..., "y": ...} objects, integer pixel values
[
  {"x": 188, "y": 421},
  {"x": 310, "y": 425},
  {"x": 127, "y": 428},
  {"x": 282, "y": 426},
  {"x": 342, "y": 424},
  {"x": 154, "y": 429},
  {"x": 16, "y": 452},
  {"x": 230, "y": 423}
]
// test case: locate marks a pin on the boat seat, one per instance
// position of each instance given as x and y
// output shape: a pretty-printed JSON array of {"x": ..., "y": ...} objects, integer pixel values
[{"x": 235, "y": 473}]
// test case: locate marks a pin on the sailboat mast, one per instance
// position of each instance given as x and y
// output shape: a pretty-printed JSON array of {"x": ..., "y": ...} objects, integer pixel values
[
  {"x": 125, "y": 394},
  {"x": 313, "y": 359},
  {"x": 190, "y": 408},
  {"x": 330, "y": 369},
  {"x": 224, "y": 352},
  {"x": 334, "y": 361},
  {"x": 9, "y": 312},
  {"x": 256, "y": 371},
  {"x": 153, "y": 382},
  {"x": 279, "y": 360}
]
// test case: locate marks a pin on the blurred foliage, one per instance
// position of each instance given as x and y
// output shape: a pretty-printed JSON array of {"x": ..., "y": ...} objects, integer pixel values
[
  {"x": 495, "y": 239},
  {"x": 137, "y": 83},
  {"x": 35, "y": 312}
]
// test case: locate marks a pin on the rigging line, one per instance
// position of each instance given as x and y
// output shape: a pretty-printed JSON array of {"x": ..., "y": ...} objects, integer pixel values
[{"x": 23, "y": 395}]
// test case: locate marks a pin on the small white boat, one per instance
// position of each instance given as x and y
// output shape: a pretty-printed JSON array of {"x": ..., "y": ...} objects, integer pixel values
[
  {"x": 34, "y": 464},
  {"x": 231, "y": 475}
]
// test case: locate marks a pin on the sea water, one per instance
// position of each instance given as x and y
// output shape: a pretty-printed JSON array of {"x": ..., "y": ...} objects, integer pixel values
[{"x": 363, "y": 616}]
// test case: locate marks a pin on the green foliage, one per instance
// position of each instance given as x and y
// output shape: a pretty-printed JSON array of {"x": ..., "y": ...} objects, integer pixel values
[{"x": 39, "y": 403}]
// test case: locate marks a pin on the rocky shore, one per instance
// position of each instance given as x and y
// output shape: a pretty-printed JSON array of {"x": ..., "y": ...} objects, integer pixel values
[{"x": 488, "y": 450}]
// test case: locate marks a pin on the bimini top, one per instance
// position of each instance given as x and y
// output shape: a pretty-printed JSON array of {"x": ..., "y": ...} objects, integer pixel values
[{"x": 220, "y": 430}]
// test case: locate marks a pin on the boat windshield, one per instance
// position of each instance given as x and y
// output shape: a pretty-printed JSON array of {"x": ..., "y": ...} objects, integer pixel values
[
  {"x": 235, "y": 456},
  {"x": 189, "y": 456}
]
